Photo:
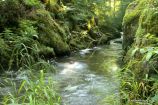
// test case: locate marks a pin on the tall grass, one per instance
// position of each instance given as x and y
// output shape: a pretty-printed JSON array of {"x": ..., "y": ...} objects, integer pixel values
[
  {"x": 37, "y": 90},
  {"x": 139, "y": 78}
]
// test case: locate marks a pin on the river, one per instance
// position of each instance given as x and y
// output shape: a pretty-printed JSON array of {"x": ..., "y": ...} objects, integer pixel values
[{"x": 89, "y": 77}]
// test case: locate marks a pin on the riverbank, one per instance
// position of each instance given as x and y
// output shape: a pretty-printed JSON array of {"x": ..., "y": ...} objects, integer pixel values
[
  {"x": 34, "y": 30},
  {"x": 86, "y": 77},
  {"x": 139, "y": 76}
]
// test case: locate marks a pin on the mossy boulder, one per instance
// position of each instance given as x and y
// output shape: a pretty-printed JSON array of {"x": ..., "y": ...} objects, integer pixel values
[
  {"x": 140, "y": 18},
  {"x": 50, "y": 32},
  {"x": 140, "y": 29},
  {"x": 130, "y": 23}
]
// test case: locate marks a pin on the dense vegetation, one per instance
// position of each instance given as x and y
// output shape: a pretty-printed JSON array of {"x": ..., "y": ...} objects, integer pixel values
[
  {"x": 139, "y": 79},
  {"x": 32, "y": 29}
]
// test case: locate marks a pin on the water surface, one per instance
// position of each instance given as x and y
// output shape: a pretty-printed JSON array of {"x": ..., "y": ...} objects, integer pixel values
[{"x": 89, "y": 77}]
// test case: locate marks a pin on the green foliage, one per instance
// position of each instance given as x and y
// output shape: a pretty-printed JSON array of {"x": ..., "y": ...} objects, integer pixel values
[
  {"x": 35, "y": 30},
  {"x": 4, "y": 55},
  {"x": 10, "y": 12},
  {"x": 27, "y": 29},
  {"x": 141, "y": 59},
  {"x": 51, "y": 33},
  {"x": 34, "y": 92},
  {"x": 24, "y": 46},
  {"x": 32, "y": 3},
  {"x": 137, "y": 74},
  {"x": 31, "y": 30},
  {"x": 148, "y": 19},
  {"x": 130, "y": 17},
  {"x": 19, "y": 49}
]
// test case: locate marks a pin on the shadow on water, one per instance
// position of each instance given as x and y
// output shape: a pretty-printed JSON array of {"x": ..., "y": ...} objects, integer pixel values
[{"x": 89, "y": 76}]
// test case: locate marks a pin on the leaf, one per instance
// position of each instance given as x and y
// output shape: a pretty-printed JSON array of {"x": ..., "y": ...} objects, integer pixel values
[
  {"x": 142, "y": 50},
  {"x": 134, "y": 51},
  {"x": 156, "y": 51},
  {"x": 154, "y": 99},
  {"x": 21, "y": 86},
  {"x": 148, "y": 56},
  {"x": 150, "y": 49}
]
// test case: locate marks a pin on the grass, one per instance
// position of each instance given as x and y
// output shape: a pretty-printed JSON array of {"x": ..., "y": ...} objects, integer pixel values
[
  {"x": 38, "y": 90},
  {"x": 136, "y": 86}
]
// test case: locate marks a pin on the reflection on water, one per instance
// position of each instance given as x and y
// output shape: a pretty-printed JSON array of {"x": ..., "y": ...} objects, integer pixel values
[
  {"x": 71, "y": 67},
  {"x": 88, "y": 77}
]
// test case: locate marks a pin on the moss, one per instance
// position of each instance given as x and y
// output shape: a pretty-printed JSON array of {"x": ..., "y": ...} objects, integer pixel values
[
  {"x": 131, "y": 22},
  {"x": 130, "y": 17},
  {"x": 140, "y": 31},
  {"x": 147, "y": 15},
  {"x": 53, "y": 7},
  {"x": 51, "y": 33},
  {"x": 149, "y": 20},
  {"x": 148, "y": 25},
  {"x": 46, "y": 28},
  {"x": 76, "y": 44},
  {"x": 134, "y": 11},
  {"x": 80, "y": 40},
  {"x": 45, "y": 51},
  {"x": 30, "y": 4}
]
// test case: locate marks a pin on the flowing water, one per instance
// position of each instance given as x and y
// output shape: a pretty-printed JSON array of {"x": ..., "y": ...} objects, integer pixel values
[{"x": 89, "y": 77}]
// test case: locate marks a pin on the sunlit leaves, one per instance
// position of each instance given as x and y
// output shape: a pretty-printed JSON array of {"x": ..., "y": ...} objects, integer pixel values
[
  {"x": 148, "y": 52},
  {"x": 134, "y": 51}
]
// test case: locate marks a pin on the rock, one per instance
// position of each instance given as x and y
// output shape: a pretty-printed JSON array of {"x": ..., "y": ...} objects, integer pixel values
[
  {"x": 51, "y": 33},
  {"x": 130, "y": 25}
]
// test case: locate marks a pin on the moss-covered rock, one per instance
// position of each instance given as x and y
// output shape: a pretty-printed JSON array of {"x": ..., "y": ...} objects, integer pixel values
[
  {"x": 142, "y": 29},
  {"x": 131, "y": 22},
  {"x": 51, "y": 33}
]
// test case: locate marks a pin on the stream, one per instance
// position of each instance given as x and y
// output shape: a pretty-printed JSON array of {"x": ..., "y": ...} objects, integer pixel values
[{"x": 89, "y": 77}]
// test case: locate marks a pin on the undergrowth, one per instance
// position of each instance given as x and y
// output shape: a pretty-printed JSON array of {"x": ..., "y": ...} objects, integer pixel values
[
  {"x": 33, "y": 90},
  {"x": 139, "y": 76}
]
